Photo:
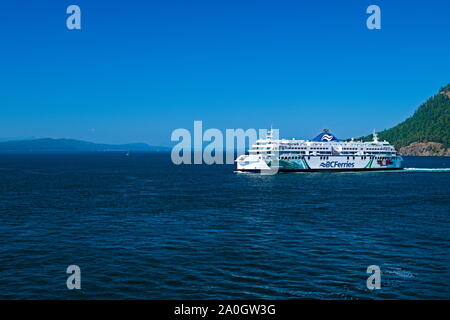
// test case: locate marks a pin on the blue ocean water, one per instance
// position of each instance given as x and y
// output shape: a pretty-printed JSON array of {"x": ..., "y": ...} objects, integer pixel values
[{"x": 141, "y": 227}]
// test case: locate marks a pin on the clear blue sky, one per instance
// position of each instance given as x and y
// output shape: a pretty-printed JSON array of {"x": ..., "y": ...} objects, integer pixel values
[{"x": 139, "y": 69}]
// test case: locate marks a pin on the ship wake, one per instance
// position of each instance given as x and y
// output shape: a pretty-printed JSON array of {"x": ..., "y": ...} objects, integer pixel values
[{"x": 427, "y": 169}]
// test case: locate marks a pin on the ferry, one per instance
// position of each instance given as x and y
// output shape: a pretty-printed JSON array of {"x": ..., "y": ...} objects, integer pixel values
[{"x": 324, "y": 153}]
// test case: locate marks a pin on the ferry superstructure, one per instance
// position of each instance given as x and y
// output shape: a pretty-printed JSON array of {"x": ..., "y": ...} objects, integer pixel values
[{"x": 324, "y": 153}]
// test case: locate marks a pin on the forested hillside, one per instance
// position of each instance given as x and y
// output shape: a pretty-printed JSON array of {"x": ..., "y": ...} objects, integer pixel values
[{"x": 428, "y": 128}]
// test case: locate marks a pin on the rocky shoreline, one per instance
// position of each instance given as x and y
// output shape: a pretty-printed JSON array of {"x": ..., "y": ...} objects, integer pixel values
[{"x": 425, "y": 149}]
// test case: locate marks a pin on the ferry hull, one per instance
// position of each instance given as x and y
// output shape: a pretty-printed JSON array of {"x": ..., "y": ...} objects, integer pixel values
[{"x": 321, "y": 163}]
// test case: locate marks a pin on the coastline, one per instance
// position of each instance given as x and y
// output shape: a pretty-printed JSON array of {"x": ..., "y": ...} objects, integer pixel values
[{"x": 425, "y": 149}]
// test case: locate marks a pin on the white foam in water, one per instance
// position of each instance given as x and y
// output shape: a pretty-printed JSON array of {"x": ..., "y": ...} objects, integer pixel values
[{"x": 428, "y": 169}]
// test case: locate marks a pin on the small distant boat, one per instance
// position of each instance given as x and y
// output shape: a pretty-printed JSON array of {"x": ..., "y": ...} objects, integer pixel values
[{"x": 127, "y": 154}]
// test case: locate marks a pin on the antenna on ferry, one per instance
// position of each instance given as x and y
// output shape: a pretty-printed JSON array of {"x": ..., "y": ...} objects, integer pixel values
[
  {"x": 269, "y": 134},
  {"x": 375, "y": 136}
]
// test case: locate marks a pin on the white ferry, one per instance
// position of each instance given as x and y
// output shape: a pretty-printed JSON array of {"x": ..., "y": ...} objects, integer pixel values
[{"x": 324, "y": 153}]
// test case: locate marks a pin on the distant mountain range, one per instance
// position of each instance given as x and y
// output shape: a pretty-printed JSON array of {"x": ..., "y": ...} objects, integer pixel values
[
  {"x": 426, "y": 132},
  {"x": 71, "y": 145},
  {"x": 16, "y": 138}
]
